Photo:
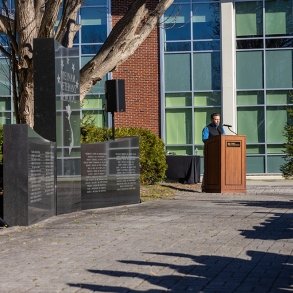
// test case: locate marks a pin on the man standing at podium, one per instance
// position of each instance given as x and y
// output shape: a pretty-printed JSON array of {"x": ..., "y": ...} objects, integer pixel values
[
  {"x": 214, "y": 128},
  {"x": 211, "y": 130}
]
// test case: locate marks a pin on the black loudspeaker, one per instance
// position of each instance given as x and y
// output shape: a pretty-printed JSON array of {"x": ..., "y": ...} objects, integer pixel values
[{"x": 115, "y": 95}]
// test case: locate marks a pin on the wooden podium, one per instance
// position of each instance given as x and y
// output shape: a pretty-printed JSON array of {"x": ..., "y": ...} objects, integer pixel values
[{"x": 225, "y": 164}]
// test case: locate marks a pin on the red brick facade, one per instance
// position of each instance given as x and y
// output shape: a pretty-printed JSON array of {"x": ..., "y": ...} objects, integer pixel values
[{"x": 142, "y": 80}]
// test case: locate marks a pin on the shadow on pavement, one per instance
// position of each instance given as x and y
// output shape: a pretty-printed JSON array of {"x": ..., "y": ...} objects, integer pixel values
[
  {"x": 277, "y": 226},
  {"x": 261, "y": 272}
]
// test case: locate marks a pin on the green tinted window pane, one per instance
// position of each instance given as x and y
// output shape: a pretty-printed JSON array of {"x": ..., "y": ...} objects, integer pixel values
[
  {"x": 59, "y": 123},
  {"x": 99, "y": 87},
  {"x": 96, "y": 117},
  {"x": 178, "y": 100},
  {"x": 255, "y": 164},
  {"x": 5, "y": 118},
  {"x": 202, "y": 117},
  {"x": 251, "y": 123},
  {"x": 59, "y": 152},
  {"x": 178, "y": 126},
  {"x": 279, "y": 97},
  {"x": 249, "y": 71},
  {"x": 279, "y": 17},
  {"x": 177, "y": 72},
  {"x": 250, "y": 98},
  {"x": 84, "y": 60},
  {"x": 248, "y": 18},
  {"x": 93, "y": 102},
  {"x": 207, "y": 99},
  {"x": 180, "y": 150},
  {"x": 75, "y": 152},
  {"x": 75, "y": 127},
  {"x": 275, "y": 163},
  {"x": 275, "y": 149},
  {"x": 276, "y": 121},
  {"x": 5, "y": 104},
  {"x": 75, "y": 105},
  {"x": 279, "y": 69},
  {"x": 207, "y": 75},
  {"x": 255, "y": 149},
  {"x": 4, "y": 77}
]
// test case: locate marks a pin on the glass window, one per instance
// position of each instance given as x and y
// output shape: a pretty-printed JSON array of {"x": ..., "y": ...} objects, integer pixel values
[
  {"x": 4, "y": 77},
  {"x": 202, "y": 117},
  {"x": 5, "y": 104},
  {"x": 178, "y": 126},
  {"x": 90, "y": 49},
  {"x": 250, "y": 98},
  {"x": 177, "y": 46},
  {"x": 279, "y": 17},
  {"x": 177, "y": 23},
  {"x": 279, "y": 97},
  {"x": 274, "y": 163},
  {"x": 279, "y": 69},
  {"x": 206, "y": 71},
  {"x": 249, "y": 19},
  {"x": 249, "y": 70},
  {"x": 94, "y": 2},
  {"x": 255, "y": 149},
  {"x": 178, "y": 100},
  {"x": 279, "y": 43},
  {"x": 206, "y": 45},
  {"x": 251, "y": 123},
  {"x": 93, "y": 25},
  {"x": 207, "y": 99},
  {"x": 177, "y": 72},
  {"x": 255, "y": 164},
  {"x": 206, "y": 21},
  {"x": 97, "y": 117},
  {"x": 5, "y": 118},
  {"x": 275, "y": 149},
  {"x": 249, "y": 44},
  {"x": 276, "y": 119},
  {"x": 93, "y": 102}
]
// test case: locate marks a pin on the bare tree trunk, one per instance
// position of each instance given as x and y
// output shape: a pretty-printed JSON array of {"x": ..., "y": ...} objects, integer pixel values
[
  {"x": 27, "y": 30},
  {"x": 26, "y": 106}
]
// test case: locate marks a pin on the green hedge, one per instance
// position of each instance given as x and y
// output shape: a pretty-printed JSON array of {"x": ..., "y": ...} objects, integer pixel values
[
  {"x": 287, "y": 167},
  {"x": 152, "y": 157}
]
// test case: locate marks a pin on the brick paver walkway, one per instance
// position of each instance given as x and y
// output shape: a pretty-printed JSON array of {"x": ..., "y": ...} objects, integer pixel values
[{"x": 193, "y": 243}]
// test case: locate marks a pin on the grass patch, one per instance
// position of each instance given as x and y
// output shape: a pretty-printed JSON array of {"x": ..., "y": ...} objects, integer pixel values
[{"x": 156, "y": 191}]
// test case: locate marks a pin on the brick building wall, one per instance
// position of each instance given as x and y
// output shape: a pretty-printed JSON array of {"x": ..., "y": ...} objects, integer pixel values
[{"x": 142, "y": 82}]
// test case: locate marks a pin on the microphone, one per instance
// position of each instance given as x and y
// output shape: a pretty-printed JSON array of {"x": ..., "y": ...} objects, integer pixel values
[{"x": 229, "y": 127}]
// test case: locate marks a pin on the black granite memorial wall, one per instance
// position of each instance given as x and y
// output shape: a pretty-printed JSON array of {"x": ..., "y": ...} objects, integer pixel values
[
  {"x": 57, "y": 115},
  {"x": 110, "y": 173},
  {"x": 29, "y": 176}
]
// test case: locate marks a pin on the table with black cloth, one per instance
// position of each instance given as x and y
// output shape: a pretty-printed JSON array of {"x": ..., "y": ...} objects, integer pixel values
[{"x": 185, "y": 169}]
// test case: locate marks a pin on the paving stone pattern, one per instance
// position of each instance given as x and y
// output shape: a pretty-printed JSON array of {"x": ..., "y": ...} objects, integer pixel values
[{"x": 193, "y": 243}]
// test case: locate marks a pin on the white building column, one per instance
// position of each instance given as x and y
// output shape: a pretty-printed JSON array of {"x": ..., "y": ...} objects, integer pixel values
[{"x": 228, "y": 59}]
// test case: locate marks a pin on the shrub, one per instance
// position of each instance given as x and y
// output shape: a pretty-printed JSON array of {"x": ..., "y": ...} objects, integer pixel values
[
  {"x": 287, "y": 167},
  {"x": 152, "y": 156}
]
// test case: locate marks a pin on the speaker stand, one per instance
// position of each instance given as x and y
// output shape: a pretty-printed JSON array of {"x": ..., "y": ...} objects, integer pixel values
[
  {"x": 113, "y": 126},
  {"x": 3, "y": 223}
]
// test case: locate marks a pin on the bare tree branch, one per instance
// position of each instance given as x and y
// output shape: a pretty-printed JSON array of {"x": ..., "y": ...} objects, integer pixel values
[
  {"x": 68, "y": 26},
  {"x": 49, "y": 18},
  {"x": 127, "y": 35},
  {"x": 5, "y": 23}
]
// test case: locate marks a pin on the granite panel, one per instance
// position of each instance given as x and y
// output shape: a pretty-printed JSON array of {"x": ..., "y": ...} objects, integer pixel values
[{"x": 110, "y": 173}]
